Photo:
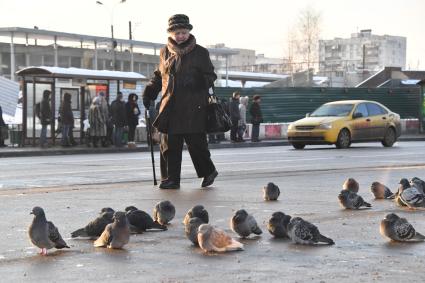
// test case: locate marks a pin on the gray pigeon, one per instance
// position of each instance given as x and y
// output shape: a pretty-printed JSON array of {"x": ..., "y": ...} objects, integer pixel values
[
  {"x": 43, "y": 233},
  {"x": 211, "y": 239},
  {"x": 164, "y": 212},
  {"x": 350, "y": 200},
  {"x": 403, "y": 185},
  {"x": 418, "y": 183},
  {"x": 116, "y": 234},
  {"x": 399, "y": 229},
  {"x": 95, "y": 227},
  {"x": 244, "y": 224},
  {"x": 380, "y": 191},
  {"x": 278, "y": 225},
  {"x": 351, "y": 185},
  {"x": 191, "y": 229},
  {"x": 303, "y": 232},
  {"x": 140, "y": 221},
  {"x": 107, "y": 209},
  {"x": 197, "y": 211},
  {"x": 271, "y": 192},
  {"x": 409, "y": 196}
]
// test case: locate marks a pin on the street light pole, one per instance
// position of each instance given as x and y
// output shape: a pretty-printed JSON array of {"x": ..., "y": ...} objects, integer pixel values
[{"x": 113, "y": 42}]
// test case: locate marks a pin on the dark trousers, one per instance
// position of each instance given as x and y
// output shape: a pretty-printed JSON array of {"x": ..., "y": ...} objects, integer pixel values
[
  {"x": 171, "y": 155},
  {"x": 255, "y": 132},
  {"x": 118, "y": 133},
  {"x": 234, "y": 130},
  {"x": 131, "y": 132},
  {"x": 65, "y": 135}
]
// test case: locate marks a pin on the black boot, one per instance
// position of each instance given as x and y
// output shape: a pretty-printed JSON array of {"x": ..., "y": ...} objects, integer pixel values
[
  {"x": 209, "y": 180},
  {"x": 169, "y": 184}
]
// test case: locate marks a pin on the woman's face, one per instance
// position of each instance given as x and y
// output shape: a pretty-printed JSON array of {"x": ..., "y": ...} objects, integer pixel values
[{"x": 180, "y": 35}]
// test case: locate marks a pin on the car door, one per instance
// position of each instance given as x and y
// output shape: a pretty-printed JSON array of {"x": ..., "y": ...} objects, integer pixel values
[
  {"x": 360, "y": 123},
  {"x": 378, "y": 120}
]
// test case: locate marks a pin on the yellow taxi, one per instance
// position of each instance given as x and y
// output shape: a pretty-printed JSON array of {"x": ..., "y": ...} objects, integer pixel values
[{"x": 344, "y": 122}]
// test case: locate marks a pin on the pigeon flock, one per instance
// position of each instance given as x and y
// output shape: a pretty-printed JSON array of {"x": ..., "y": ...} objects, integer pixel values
[{"x": 112, "y": 229}]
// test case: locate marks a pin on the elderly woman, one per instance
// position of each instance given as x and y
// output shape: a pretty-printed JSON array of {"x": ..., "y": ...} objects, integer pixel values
[
  {"x": 97, "y": 122},
  {"x": 184, "y": 76}
]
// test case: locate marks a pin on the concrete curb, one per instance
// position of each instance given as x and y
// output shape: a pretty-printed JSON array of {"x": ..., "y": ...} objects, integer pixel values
[{"x": 29, "y": 152}]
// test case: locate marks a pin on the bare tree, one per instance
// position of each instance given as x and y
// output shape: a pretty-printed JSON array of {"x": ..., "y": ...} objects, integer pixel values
[
  {"x": 290, "y": 52},
  {"x": 308, "y": 32}
]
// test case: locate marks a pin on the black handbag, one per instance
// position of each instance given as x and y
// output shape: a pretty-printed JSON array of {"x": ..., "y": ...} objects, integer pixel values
[{"x": 218, "y": 121}]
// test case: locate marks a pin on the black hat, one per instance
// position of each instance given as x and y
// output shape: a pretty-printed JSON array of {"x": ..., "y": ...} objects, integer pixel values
[{"x": 178, "y": 21}]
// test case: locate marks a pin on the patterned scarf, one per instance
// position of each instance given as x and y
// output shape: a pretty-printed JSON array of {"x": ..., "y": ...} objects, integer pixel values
[{"x": 177, "y": 51}]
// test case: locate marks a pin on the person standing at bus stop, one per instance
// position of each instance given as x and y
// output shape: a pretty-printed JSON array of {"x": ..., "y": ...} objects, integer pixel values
[
  {"x": 184, "y": 75},
  {"x": 3, "y": 128},
  {"x": 45, "y": 117},
  {"x": 133, "y": 112},
  {"x": 235, "y": 115},
  {"x": 256, "y": 118},
  {"x": 67, "y": 119},
  {"x": 119, "y": 119}
]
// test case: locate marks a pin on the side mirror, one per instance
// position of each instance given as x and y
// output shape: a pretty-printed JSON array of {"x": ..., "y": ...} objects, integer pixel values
[
  {"x": 307, "y": 115},
  {"x": 357, "y": 115}
]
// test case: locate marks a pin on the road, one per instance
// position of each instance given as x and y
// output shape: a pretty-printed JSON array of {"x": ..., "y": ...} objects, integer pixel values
[{"x": 73, "y": 188}]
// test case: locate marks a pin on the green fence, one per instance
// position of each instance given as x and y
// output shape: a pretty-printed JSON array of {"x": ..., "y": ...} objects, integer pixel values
[{"x": 290, "y": 104}]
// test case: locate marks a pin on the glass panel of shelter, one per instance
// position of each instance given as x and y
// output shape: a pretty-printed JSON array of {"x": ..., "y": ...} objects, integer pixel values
[{"x": 33, "y": 122}]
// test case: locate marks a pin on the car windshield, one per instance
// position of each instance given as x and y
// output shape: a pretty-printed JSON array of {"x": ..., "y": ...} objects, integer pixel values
[{"x": 337, "y": 110}]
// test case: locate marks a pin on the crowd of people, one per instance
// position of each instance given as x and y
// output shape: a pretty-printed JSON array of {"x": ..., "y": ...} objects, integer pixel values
[
  {"x": 237, "y": 110},
  {"x": 107, "y": 124}
]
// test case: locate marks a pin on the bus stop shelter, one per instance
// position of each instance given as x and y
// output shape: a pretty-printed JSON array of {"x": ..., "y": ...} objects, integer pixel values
[{"x": 82, "y": 84}]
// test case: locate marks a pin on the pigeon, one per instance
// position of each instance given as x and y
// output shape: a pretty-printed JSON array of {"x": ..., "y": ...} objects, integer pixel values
[
  {"x": 380, "y": 191},
  {"x": 399, "y": 229},
  {"x": 117, "y": 234},
  {"x": 278, "y": 224},
  {"x": 95, "y": 228},
  {"x": 141, "y": 221},
  {"x": 244, "y": 224},
  {"x": 43, "y": 233},
  {"x": 403, "y": 185},
  {"x": 107, "y": 209},
  {"x": 271, "y": 192},
  {"x": 303, "y": 232},
  {"x": 350, "y": 200},
  {"x": 409, "y": 196},
  {"x": 418, "y": 183},
  {"x": 164, "y": 212},
  {"x": 197, "y": 211},
  {"x": 191, "y": 229},
  {"x": 351, "y": 185},
  {"x": 211, "y": 239}
]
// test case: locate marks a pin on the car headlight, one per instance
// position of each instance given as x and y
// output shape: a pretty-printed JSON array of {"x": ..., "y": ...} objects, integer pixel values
[
  {"x": 325, "y": 126},
  {"x": 291, "y": 126}
]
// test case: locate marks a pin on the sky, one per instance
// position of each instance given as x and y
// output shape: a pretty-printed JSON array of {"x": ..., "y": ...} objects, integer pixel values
[{"x": 259, "y": 25}]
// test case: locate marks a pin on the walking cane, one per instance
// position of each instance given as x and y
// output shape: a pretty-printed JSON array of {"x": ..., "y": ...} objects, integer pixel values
[{"x": 149, "y": 133}]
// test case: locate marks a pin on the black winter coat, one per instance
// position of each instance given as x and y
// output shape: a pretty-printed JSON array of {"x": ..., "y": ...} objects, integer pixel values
[
  {"x": 235, "y": 114},
  {"x": 118, "y": 113},
  {"x": 2, "y": 123},
  {"x": 133, "y": 113},
  {"x": 189, "y": 97},
  {"x": 45, "y": 111},
  {"x": 256, "y": 115},
  {"x": 67, "y": 117}
]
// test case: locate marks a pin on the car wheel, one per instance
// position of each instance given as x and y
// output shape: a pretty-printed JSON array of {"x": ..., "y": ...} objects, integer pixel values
[
  {"x": 298, "y": 145},
  {"x": 344, "y": 139},
  {"x": 389, "y": 138}
]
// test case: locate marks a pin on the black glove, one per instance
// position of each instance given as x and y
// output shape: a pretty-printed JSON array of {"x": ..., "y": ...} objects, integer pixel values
[{"x": 146, "y": 102}]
